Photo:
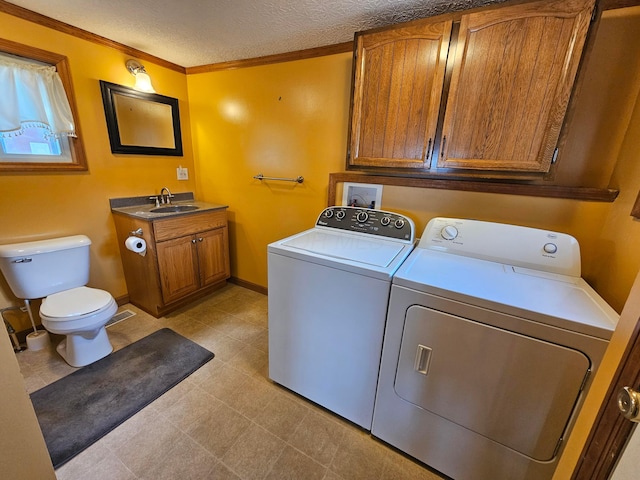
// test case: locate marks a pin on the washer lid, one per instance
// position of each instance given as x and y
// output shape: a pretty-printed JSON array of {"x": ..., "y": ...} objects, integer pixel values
[
  {"x": 375, "y": 251},
  {"x": 74, "y": 302},
  {"x": 351, "y": 252}
]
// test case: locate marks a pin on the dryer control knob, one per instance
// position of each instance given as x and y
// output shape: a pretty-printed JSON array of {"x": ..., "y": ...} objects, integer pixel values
[
  {"x": 328, "y": 213},
  {"x": 340, "y": 214},
  {"x": 385, "y": 221},
  {"x": 362, "y": 216},
  {"x": 399, "y": 223},
  {"x": 449, "y": 232},
  {"x": 550, "y": 248}
]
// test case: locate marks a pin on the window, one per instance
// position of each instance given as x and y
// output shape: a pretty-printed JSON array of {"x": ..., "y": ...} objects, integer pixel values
[
  {"x": 41, "y": 142},
  {"x": 33, "y": 144}
]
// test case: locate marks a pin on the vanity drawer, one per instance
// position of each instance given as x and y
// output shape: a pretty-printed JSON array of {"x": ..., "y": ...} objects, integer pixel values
[{"x": 188, "y": 224}]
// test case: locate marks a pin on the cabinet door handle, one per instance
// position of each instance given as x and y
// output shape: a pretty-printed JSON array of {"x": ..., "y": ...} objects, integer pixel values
[
  {"x": 193, "y": 240},
  {"x": 444, "y": 143},
  {"x": 200, "y": 239},
  {"x": 428, "y": 155}
]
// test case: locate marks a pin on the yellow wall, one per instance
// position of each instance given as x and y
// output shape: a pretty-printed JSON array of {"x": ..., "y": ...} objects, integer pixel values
[
  {"x": 35, "y": 206},
  {"x": 280, "y": 120},
  {"x": 616, "y": 263}
]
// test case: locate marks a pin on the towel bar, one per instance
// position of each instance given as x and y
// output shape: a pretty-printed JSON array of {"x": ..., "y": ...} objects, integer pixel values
[{"x": 299, "y": 179}]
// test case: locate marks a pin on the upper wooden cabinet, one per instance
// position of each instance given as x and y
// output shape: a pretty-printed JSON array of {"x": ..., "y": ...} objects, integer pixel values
[
  {"x": 494, "y": 82},
  {"x": 514, "y": 69},
  {"x": 399, "y": 75}
]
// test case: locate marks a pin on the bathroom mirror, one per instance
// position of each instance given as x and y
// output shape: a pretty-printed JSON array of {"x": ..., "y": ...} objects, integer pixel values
[{"x": 141, "y": 123}]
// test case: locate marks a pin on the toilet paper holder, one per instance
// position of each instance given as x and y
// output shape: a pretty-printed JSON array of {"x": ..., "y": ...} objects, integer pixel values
[{"x": 136, "y": 232}]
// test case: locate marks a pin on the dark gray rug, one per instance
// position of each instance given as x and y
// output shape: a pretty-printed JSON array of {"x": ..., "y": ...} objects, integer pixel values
[{"x": 79, "y": 409}]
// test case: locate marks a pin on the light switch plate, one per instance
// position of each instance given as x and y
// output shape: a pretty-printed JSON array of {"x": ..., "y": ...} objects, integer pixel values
[{"x": 183, "y": 173}]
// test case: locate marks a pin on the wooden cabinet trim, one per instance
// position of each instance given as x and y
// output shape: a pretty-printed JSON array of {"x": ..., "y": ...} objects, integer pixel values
[{"x": 548, "y": 191}]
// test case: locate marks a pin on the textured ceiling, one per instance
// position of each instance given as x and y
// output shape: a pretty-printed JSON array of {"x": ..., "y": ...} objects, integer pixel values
[{"x": 202, "y": 32}]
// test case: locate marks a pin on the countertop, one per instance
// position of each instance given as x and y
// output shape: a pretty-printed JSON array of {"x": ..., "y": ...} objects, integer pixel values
[{"x": 140, "y": 207}]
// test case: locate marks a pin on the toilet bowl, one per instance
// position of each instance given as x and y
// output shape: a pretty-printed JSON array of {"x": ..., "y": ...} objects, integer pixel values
[
  {"x": 81, "y": 314},
  {"x": 57, "y": 270}
]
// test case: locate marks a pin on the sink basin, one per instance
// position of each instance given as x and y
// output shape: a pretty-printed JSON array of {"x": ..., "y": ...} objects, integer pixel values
[{"x": 174, "y": 209}]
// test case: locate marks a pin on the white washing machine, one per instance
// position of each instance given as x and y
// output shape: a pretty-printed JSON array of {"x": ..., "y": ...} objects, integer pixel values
[
  {"x": 328, "y": 297},
  {"x": 492, "y": 338}
]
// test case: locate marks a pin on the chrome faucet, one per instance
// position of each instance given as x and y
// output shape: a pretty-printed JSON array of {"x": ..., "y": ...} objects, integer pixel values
[{"x": 162, "y": 197}]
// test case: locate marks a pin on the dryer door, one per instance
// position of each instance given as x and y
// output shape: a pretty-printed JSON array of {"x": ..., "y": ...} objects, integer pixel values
[{"x": 516, "y": 390}]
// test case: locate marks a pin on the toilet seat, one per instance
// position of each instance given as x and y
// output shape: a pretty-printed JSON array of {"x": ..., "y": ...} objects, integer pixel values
[
  {"x": 75, "y": 303},
  {"x": 81, "y": 315}
]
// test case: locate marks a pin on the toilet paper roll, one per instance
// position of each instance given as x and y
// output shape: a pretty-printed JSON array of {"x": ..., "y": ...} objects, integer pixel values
[
  {"x": 38, "y": 340},
  {"x": 136, "y": 244}
]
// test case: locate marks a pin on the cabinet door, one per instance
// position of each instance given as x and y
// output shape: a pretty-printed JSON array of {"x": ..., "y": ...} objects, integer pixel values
[
  {"x": 398, "y": 81},
  {"x": 177, "y": 265},
  {"x": 213, "y": 256},
  {"x": 513, "y": 75}
]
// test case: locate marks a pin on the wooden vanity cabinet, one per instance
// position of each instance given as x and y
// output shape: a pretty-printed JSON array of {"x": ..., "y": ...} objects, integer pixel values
[
  {"x": 514, "y": 70},
  {"x": 187, "y": 256},
  {"x": 398, "y": 81}
]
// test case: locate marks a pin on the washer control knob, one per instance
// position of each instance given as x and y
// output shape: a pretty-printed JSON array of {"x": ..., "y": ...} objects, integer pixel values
[
  {"x": 328, "y": 213},
  {"x": 385, "y": 221},
  {"x": 362, "y": 216},
  {"x": 550, "y": 248},
  {"x": 399, "y": 223},
  {"x": 340, "y": 214},
  {"x": 449, "y": 232}
]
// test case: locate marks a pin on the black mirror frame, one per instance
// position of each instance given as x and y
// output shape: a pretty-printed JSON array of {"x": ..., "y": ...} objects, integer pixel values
[{"x": 108, "y": 90}]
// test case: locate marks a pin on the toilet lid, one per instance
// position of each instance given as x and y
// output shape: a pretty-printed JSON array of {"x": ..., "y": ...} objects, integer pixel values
[{"x": 74, "y": 302}]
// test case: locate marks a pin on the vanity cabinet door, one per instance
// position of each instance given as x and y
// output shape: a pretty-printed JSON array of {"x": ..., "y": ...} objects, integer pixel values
[
  {"x": 213, "y": 257},
  {"x": 178, "y": 267},
  {"x": 513, "y": 74},
  {"x": 397, "y": 87}
]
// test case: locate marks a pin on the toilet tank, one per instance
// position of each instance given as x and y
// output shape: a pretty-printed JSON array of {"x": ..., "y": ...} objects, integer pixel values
[{"x": 40, "y": 268}]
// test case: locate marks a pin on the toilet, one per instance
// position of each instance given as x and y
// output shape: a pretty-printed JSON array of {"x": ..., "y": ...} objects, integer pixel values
[{"x": 57, "y": 270}]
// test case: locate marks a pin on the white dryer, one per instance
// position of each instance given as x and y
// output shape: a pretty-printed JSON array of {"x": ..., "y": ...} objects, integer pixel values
[
  {"x": 328, "y": 296},
  {"x": 491, "y": 340}
]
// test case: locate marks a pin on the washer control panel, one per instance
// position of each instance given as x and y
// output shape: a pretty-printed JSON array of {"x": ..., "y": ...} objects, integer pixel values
[
  {"x": 369, "y": 221},
  {"x": 509, "y": 244}
]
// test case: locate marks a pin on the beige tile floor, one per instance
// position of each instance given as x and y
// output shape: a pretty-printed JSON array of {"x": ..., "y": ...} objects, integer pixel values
[{"x": 227, "y": 420}]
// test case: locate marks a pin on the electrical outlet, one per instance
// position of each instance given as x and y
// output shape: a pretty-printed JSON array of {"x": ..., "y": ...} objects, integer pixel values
[{"x": 183, "y": 173}]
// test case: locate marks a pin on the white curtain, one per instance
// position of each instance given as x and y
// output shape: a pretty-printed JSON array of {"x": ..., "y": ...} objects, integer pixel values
[{"x": 33, "y": 95}]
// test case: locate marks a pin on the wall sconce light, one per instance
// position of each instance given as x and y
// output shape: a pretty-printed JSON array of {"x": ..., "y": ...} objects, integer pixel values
[{"x": 143, "y": 80}]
